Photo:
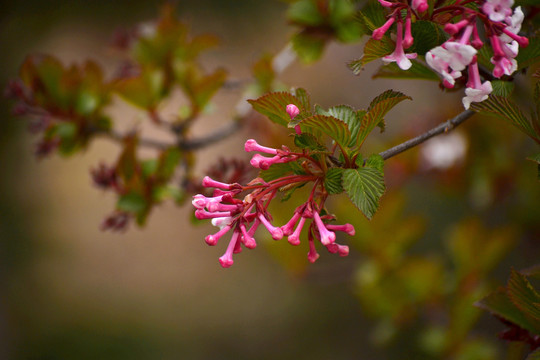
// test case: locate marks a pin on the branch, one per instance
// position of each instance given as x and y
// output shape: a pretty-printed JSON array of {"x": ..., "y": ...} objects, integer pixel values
[
  {"x": 442, "y": 128},
  {"x": 220, "y": 134}
]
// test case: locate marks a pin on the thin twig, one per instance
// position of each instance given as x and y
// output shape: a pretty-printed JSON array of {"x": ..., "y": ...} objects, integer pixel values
[
  {"x": 442, "y": 128},
  {"x": 220, "y": 134}
]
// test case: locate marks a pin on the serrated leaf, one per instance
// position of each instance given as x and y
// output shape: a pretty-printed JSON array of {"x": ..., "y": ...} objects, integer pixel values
[
  {"x": 302, "y": 95},
  {"x": 274, "y": 106},
  {"x": 378, "y": 108},
  {"x": 375, "y": 161},
  {"x": 498, "y": 303},
  {"x": 348, "y": 115},
  {"x": 373, "y": 50},
  {"x": 328, "y": 125},
  {"x": 333, "y": 181},
  {"x": 529, "y": 55},
  {"x": 507, "y": 109},
  {"x": 522, "y": 294},
  {"x": 308, "y": 141},
  {"x": 276, "y": 171},
  {"x": 502, "y": 88},
  {"x": 364, "y": 186},
  {"x": 417, "y": 71},
  {"x": 371, "y": 16},
  {"x": 427, "y": 35},
  {"x": 131, "y": 202}
]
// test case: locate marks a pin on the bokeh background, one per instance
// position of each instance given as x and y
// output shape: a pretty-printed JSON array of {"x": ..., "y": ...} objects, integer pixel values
[{"x": 71, "y": 291}]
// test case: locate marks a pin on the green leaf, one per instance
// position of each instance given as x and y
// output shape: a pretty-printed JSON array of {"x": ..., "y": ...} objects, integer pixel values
[
  {"x": 149, "y": 167},
  {"x": 373, "y": 50},
  {"x": 304, "y": 12},
  {"x": 417, "y": 71},
  {"x": 498, "y": 303},
  {"x": 329, "y": 125},
  {"x": 378, "y": 108},
  {"x": 144, "y": 91},
  {"x": 308, "y": 141},
  {"x": 522, "y": 294},
  {"x": 375, "y": 161},
  {"x": 529, "y": 55},
  {"x": 302, "y": 95},
  {"x": 348, "y": 115},
  {"x": 427, "y": 35},
  {"x": 204, "y": 89},
  {"x": 308, "y": 48},
  {"x": 274, "y": 106},
  {"x": 364, "y": 186},
  {"x": 502, "y": 88},
  {"x": 508, "y": 110},
  {"x": 131, "y": 202},
  {"x": 169, "y": 160},
  {"x": 372, "y": 16},
  {"x": 333, "y": 181},
  {"x": 276, "y": 171}
]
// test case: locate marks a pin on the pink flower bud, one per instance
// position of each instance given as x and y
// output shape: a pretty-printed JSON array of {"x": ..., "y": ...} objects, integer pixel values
[
  {"x": 276, "y": 232},
  {"x": 312, "y": 254},
  {"x": 214, "y": 206},
  {"x": 343, "y": 250},
  {"x": 420, "y": 5},
  {"x": 288, "y": 228},
  {"x": 379, "y": 33},
  {"x": 252, "y": 145},
  {"x": 327, "y": 237},
  {"x": 408, "y": 39},
  {"x": 227, "y": 259},
  {"x": 203, "y": 214},
  {"x": 294, "y": 238},
  {"x": 292, "y": 110},
  {"x": 208, "y": 182},
  {"x": 213, "y": 239},
  {"x": 385, "y": 3},
  {"x": 346, "y": 228},
  {"x": 248, "y": 239}
]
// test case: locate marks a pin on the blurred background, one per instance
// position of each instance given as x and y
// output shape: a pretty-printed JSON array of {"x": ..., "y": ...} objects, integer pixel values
[{"x": 71, "y": 291}]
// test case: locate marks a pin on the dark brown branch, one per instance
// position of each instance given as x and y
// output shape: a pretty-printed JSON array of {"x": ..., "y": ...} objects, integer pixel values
[
  {"x": 442, "y": 128},
  {"x": 219, "y": 135}
]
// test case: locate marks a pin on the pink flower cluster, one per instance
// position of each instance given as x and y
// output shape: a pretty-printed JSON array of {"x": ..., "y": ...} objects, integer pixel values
[
  {"x": 501, "y": 26},
  {"x": 243, "y": 216}
]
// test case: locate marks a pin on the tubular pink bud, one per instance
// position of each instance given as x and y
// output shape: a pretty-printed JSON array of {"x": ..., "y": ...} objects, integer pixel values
[
  {"x": 312, "y": 254},
  {"x": 346, "y": 228},
  {"x": 227, "y": 259},
  {"x": 292, "y": 110},
  {"x": 213, "y": 239},
  {"x": 385, "y": 3},
  {"x": 208, "y": 182},
  {"x": 476, "y": 42},
  {"x": 408, "y": 39},
  {"x": 343, "y": 250},
  {"x": 327, "y": 237},
  {"x": 276, "y": 232},
  {"x": 521, "y": 40},
  {"x": 453, "y": 29},
  {"x": 252, "y": 145},
  {"x": 202, "y": 214},
  {"x": 215, "y": 206},
  {"x": 294, "y": 238},
  {"x": 420, "y": 5},
  {"x": 379, "y": 33},
  {"x": 248, "y": 240},
  {"x": 288, "y": 228}
]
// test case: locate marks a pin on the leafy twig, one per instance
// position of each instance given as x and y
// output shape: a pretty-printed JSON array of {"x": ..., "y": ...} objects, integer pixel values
[{"x": 442, "y": 128}]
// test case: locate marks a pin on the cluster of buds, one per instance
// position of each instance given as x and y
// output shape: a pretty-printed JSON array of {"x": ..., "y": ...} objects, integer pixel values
[
  {"x": 500, "y": 23},
  {"x": 243, "y": 209}
]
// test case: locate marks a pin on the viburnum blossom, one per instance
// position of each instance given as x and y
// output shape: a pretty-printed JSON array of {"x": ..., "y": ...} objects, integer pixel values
[
  {"x": 500, "y": 25},
  {"x": 399, "y": 56},
  {"x": 242, "y": 209}
]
